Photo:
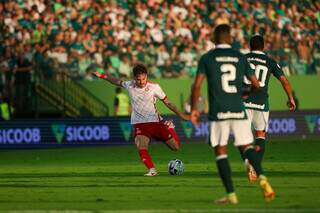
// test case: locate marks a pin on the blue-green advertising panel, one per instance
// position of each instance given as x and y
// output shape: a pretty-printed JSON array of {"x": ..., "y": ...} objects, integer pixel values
[{"x": 115, "y": 130}]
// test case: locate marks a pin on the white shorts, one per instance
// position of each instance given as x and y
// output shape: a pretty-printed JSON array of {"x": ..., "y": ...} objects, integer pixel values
[
  {"x": 219, "y": 132},
  {"x": 259, "y": 119}
]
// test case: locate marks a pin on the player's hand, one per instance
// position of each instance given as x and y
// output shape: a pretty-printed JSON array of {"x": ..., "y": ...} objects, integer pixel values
[
  {"x": 246, "y": 90},
  {"x": 195, "y": 117},
  {"x": 185, "y": 116},
  {"x": 245, "y": 96},
  {"x": 99, "y": 75},
  {"x": 291, "y": 104}
]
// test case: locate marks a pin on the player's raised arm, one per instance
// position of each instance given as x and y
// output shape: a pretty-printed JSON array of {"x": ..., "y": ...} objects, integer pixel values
[
  {"x": 174, "y": 109},
  {"x": 108, "y": 78},
  {"x": 287, "y": 87}
]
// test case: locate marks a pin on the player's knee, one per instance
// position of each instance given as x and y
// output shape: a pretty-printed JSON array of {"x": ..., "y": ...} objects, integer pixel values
[
  {"x": 220, "y": 150},
  {"x": 244, "y": 148},
  {"x": 142, "y": 142},
  {"x": 260, "y": 134}
]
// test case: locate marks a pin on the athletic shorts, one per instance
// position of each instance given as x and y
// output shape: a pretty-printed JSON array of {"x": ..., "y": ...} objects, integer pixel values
[
  {"x": 153, "y": 130},
  {"x": 219, "y": 132},
  {"x": 259, "y": 119}
]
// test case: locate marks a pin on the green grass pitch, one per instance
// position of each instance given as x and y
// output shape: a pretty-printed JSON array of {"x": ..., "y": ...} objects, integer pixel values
[{"x": 111, "y": 179}]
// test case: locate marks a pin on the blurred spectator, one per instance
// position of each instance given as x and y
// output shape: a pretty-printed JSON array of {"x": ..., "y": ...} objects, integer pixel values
[
  {"x": 125, "y": 67},
  {"x": 22, "y": 85},
  {"x": 202, "y": 105},
  {"x": 75, "y": 35},
  {"x": 304, "y": 55},
  {"x": 6, "y": 109},
  {"x": 162, "y": 56},
  {"x": 121, "y": 103}
]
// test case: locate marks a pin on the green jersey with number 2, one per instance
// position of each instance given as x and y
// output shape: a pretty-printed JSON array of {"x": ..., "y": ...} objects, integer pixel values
[{"x": 225, "y": 69}]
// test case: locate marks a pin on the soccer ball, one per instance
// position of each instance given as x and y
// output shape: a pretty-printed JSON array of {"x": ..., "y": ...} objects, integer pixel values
[{"x": 175, "y": 167}]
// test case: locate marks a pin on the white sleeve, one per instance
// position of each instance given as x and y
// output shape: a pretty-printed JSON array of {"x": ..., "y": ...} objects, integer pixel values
[
  {"x": 159, "y": 92},
  {"x": 126, "y": 84}
]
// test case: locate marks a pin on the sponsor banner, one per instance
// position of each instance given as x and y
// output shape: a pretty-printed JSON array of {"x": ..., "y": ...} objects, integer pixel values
[
  {"x": 65, "y": 132},
  {"x": 118, "y": 130},
  {"x": 281, "y": 125},
  {"x": 20, "y": 135}
]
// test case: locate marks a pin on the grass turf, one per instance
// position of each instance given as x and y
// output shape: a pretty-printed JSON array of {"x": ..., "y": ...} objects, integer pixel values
[{"x": 110, "y": 178}]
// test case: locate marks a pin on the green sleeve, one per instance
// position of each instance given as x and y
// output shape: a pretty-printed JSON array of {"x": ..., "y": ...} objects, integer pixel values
[
  {"x": 276, "y": 70},
  {"x": 248, "y": 71}
]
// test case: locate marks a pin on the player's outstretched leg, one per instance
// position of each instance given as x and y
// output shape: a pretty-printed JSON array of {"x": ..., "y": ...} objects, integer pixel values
[
  {"x": 260, "y": 148},
  {"x": 225, "y": 175},
  {"x": 251, "y": 154},
  {"x": 174, "y": 142},
  {"x": 142, "y": 143},
  {"x": 251, "y": 173}
]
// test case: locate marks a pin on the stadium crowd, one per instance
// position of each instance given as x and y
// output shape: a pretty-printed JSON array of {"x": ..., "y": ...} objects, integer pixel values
[{"x": 45, "y": 38}]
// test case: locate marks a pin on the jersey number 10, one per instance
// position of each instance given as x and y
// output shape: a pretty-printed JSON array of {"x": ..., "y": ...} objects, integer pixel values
[{"x": 260, "y": 72}]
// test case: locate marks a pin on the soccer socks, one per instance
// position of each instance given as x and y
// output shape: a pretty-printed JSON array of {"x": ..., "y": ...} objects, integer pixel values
[
  {"x": 225, "y": 172},
  {"x": 260, "y": 148},
  {"x": 242, "y": 153},
  {"x": 174, "y": 135},
  {"x": 251, "y": 154},
  {"x": 146, "y": 158}
]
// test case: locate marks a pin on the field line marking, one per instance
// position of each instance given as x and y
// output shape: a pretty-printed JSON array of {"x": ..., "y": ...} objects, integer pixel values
[{"x": 271, "y": 210}]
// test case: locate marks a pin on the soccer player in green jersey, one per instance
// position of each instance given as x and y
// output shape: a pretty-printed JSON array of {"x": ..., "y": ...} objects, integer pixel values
[
  {"x": 225, "y": 69},
  {"x": 256, "y": 103}
]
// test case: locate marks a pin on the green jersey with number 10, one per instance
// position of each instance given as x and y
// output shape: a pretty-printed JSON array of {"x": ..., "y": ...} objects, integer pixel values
[
  {"x": 264, "y": 66},
  {"x": 225, "y": 69}
]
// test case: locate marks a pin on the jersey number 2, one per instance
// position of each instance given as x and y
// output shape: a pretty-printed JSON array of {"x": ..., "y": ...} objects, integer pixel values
[{"x": 228, "y": 74}]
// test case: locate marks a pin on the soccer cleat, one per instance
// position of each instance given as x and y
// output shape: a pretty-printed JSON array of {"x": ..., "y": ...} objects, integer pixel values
[
  {"x": 152, "y": 172},
  {"x": 251, "y": 173},
  {"x": 267, "y": 190},
  {"x": 229, "y": 199}
]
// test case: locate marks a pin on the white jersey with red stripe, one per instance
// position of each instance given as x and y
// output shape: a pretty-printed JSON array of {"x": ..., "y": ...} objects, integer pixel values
[{"x": 143, "y": 101}]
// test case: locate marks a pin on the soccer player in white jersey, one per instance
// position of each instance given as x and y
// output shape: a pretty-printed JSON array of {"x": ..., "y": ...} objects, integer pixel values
[{"x": 147, "y": 122}]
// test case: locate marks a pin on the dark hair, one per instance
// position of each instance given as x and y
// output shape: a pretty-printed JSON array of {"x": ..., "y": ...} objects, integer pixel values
[
  {"x": 257, "y": 42},
  {"x": 221, "y": 32},
  {"x": 139, "y": 69}
]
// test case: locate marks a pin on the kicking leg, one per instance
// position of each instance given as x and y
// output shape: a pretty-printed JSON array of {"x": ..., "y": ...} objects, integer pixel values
[
  {"x": 174, "y": 142},
  {"x": 142, "y": 143}
]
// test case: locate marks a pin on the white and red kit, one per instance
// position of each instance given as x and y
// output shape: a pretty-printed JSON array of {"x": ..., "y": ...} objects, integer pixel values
[{"x": 144, "y": 116}]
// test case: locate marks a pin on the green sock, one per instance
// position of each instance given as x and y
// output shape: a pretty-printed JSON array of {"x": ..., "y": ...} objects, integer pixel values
[
  {"x": 241, "y": 153},
  {"x": 251, "y": 154},
  {"x": 225, "y": 172},
  {"x": 260, "y": 148}
]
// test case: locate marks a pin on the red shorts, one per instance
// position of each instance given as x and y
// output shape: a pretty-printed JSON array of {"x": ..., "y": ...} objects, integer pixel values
[{"x": 155, "y": 130}]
